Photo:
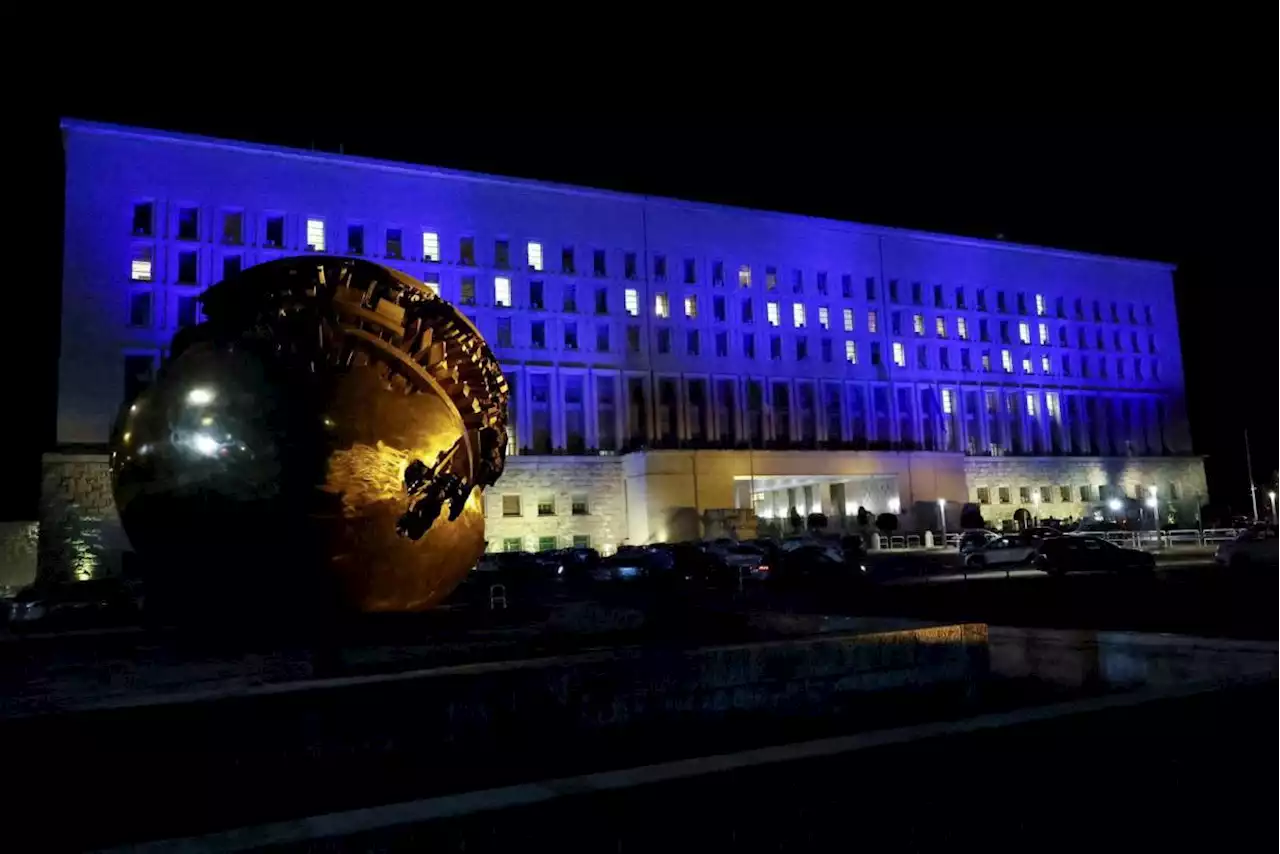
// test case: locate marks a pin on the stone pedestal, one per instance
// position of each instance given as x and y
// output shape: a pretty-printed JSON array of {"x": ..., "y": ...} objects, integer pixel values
[{"x": 80, "y": 534}]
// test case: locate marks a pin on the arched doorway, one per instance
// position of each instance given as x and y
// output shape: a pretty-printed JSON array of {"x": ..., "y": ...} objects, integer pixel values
[{"x": 1022, "y": 518}]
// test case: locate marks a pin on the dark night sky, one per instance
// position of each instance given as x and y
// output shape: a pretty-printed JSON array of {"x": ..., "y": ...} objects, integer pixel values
[{"x": 1197, "y": 193}]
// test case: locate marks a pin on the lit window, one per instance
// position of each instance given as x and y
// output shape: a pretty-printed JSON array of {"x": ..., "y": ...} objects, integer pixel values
[
  {"x": 432, "y": 281},
  {"x": 535, "y": 256},
  {"x": 848, "y": 320},
  {"x": 1040, "y": 305},
  {"x": 899, "y": 354},
  {"x": 1006, "y": 361},
  {"x": 1044, "y": 365},
  {"x": 872, "y": 325},
  {"x": 986, "y": 362},
  {"x": 1033, "y": 404},
  {"x": 851, "y": 352},
  {"x": 315, "y": 235},
  {"x": 1053, "y": 405},
  {"x": 947, "y": 403},
  {"x": 502, "y": 291},
  {"x": 430, "y": 246},
  {"x": 1024, "y": 332},
  {"x": 917, "y": 323},
  {"x": 797, "y": 314},
  {"x": 511, "y": 505},
  {"x": 962, "y": 329},
  {"x": 941, "y": 327},
  {"x": 772, "y": 313},
  {"x": 1026, "y": 366},
  {"x": 824, "y": 317},
  {"x": 744, "y": 276},
  {"x": 1044, "y": 334},
  {"x": 661, "y": 306},
  {"x": 631, "y": 300},
  {"x": 691, "y": 306},
  {"x": 140, "y": 268}
]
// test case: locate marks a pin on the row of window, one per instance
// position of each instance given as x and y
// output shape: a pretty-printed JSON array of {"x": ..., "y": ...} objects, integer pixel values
[
  {"x": 394, "y": 246},
  {"x": 548, "y": 543},
  {"x": 513, "y": 505},
  {"x": 1065, "y": 494}
]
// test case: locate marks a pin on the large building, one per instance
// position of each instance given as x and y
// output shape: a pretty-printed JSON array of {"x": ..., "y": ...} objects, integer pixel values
[{"x": 673, "y": 363}]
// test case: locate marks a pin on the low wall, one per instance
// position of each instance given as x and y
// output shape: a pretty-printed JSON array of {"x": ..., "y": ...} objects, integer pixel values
[
  {"x": 18, "y": 553},
  {"x": 80, "y": 532}
]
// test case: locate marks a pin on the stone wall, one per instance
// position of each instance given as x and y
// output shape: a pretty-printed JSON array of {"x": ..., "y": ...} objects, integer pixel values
[
  {"x": 80, "y": 533},
  {"x": 18, "y": 553},
  {"x": 535, "y": 477},
  {"x": 1126, "y": 474}
]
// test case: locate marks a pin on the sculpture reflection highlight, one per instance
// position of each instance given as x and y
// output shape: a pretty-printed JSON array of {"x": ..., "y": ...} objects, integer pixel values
[{"x": 326, "y": 436}]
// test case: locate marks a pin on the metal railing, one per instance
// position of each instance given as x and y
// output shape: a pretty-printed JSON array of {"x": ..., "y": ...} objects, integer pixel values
[{"x": 1128, "y": 539}]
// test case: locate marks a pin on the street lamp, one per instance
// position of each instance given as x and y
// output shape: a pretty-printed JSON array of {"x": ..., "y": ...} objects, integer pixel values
[
  {"x": 1035, "y": 499},
  {"x": 942, "y": 511},
  {"x": 1153, "y": 501},
  {"x": 1271, "y": 493},
  {"x": 1115, "y": 505}
]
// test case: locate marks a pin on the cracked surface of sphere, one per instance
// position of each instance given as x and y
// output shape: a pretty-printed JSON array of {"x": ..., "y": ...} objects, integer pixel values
[{"x": 324, "y": 437}]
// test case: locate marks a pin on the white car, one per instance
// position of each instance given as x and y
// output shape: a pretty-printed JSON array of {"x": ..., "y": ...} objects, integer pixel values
[
  {"x": 1255, "y": 547},
  {"x": 1002, "y": 551}
]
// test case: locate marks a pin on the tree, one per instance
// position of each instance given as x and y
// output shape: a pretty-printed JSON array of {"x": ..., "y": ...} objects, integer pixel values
[
  {"x": 794, "y": 518},
  {"x": 817, "y": 521},
  {"x": 971, "y": 517},
  {"x": 864, "y": 518},
  {"x": 887, "y": 522}
]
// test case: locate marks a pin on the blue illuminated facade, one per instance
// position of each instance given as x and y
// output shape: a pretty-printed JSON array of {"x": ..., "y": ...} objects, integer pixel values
[{"x": 635, "y": 323}]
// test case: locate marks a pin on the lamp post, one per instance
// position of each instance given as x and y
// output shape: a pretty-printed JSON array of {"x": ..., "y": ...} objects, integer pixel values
[
  {"x": 1271, "y": 493},
  {"x": 1153, "y": 501},
  {"x": 942, "y": 511},
  {"x": 1035, "y": 501}
]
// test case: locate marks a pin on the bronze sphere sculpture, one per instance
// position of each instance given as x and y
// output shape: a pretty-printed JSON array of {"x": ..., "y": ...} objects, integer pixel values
[{"x": 325, "y": 435}]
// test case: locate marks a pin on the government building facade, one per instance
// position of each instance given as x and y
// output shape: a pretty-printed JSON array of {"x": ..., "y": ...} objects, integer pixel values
[{"x": 678, "y": 369}]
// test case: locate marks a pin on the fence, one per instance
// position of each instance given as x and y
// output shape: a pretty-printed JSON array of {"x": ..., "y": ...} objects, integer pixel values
[{"x": 1129, "y": 539}]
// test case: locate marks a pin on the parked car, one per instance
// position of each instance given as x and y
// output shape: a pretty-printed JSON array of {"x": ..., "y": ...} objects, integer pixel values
[
  {"x": 1003, "y": 551},
  {"x": 1060, "y": 555},
  {"x": 1254, "y": 547},
  {"x": 972, "y": 541},
  {"x": 76, "y": 605},
  {"x": 817, "y": 568}
]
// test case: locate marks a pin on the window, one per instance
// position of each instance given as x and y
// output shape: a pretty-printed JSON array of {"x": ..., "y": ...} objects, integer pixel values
[
  {"x": 602, "y": 300},
  {"x": 960, "y": 297},
  {"x": 467, "y": 291},
  {"x": 568, "y": 299},
  {"x": 538, "y": 334},
  {"x": 851, "y": 352},
  {"x": 578, "y": 505},
  {"x": 986, "y": 361},
  {"x": 1046, "y": 495},
  {"x": 944, "y": 357},
  {"x": 582, "y": 541},
  {"x": 775, "y": 347},
  {"x": 1115, "y": 313},
  {"x": 875, "y": 353},
  {"x": 664, "y": 340},
  {"x": 512, "y": 544},
  {"x": 797, "y": 315},
  {"x": 718, "y": 308},
  {"x": 631, "y": 300},
  {"x": 1003, "y": 493},
  {"x": 598, "y": 266},
  {"x": 1066, "y": 365},
  {"x": 140, "y": 266},
  {"x": 629, "y": 266},
  {"x": 1086, "y": 492},
  {"x": 501, "y": 253},
  {"x": 899, "y": 354},
  {"x": 966, "y": 363},
  {"x": 140, "y": 309},
  {"x": 1024, "y": 495},
  {"x": 233, "y": 228},
  {"x": 275, "y": 231},
  {"x": 692, "y": 342},
  {"x": 502, "y": 291},
  {"x": 570, "y": 335},
  {"x": 1022, "y": 303},
  {"x": 962, "y": 329},
  {"x": 895, "y": 323},
  {"x": 917, "y": 323},
  {"x": 1064, "y": 494},
  {"x": 602, "y": 338},
  {"x": 1120, "y": 368},
  {"x": 1026, "y": 366},
  {"x": 567, "y": 264},
  {"x": 534, "y": 253},
  {"x": 315, "y": 235},
  {"x": 1004, "y": 332},
  {"x": 1097, "y": 312},
  {"x": 188, "y": 309},
  {"x": 659, "y": 268},
  {"x": 802, "y": 348},
  {"x": 822, "y": 283},
  {"x": 1044, "y": 334},
  {"x": 690, "y": 271},
  {"x": 430, "y": 246},
  {"x": 915, "y": 293},
  {"x": 536, "y": 295},
  {"x": 826, "y": 349},
  {"x": 982, "y": 300},
  {"x": 1006, "y": 361},
  {"x": 143, "y": 219},
  {"x": 893, "y": 290},
  {"x": 872, "y": 325},
  {"x": 940, "y": 327},
  {"x": 661, "y": 305},
  {"x": 189, "y": 225},
  {"x": 1063, "y": 341},
  {"x": 717, "y": 273},
  {"x": 846, "y": 286},
  {"x": 922, "y": 356},
  {"x": 771, "y": 312},
  {"x": 744, "y": 276},
  {"x": 824, "y": 317},
  {"x": 1024, "y": 332},
  {"x": 691, "y": 306},
  {"x": 548, "y": 544},
  {"x": 770, "y": 278},
  {"x": 231, "y": 265},
  {"x": 938, "y": 301},
  {"x": 633, "y": 338},
  {"x": 722, "y": 344},
  {"x": 1045, "y": 366},
  {"x": 984, "y": 495},
  {"x": 355, "y": 239},
  {"x": 1040, "y": 305},
  {"x": 1060, "y": 308},
  {"x": 188, "y": 265},
  {"x": 749, "y": 345},
  {"x": 505, "y": 338},
  {"x": 847, "y": 315},
  {"x": 948, "y": 401},
  {"x": 748, "y": 311}
]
